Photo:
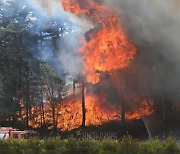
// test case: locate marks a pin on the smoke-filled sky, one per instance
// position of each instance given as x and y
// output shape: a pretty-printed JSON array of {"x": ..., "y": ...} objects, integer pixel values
[
  {"x": 151, "y": 25},
  {"x": 69, "y": 55},
  {"x": 154, "y": 25},
  {"x": 154, "y": 22}
]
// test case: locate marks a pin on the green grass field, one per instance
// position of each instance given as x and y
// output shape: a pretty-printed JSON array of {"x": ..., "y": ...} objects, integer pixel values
[{"x": 127, "y": 145}]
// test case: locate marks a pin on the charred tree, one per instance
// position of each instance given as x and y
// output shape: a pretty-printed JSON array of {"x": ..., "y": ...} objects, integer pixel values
[
  {"x": 83, "y": 106},
  {"x": 53, "y": 116},
  {"x": 53, "y": 104},
  {"x": 27, "y": 101},
  {"x": 27, "y": 92},
  {"x": 123, "y": 112},
  {"x": 74, "y": 86},
  {"x": 42, "y": 108}
]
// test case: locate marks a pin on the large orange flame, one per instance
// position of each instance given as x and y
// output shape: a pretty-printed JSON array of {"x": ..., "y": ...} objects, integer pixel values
[
  {"x": 98, "y": 111},
  {"x": 106, "y": 47}
]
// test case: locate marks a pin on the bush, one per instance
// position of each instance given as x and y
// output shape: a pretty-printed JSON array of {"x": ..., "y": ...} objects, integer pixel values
[
  {"x": 171, "y": 146},
  {"x": 109, "y": 147},
  {"x": 128, "y": 145},
  {"x": 150, "y": 147}
]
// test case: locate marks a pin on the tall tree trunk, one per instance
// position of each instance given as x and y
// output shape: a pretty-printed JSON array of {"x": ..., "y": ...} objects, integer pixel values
[
  {"x": 53, "y": 116},
  {"x": 83, "y": 106},
  {"x": 27, "y": 113},
  {"x": 27, "y": 98},
  {"x": 42, "y": 114},
  {"x": 42, "y": 107},
  {"x": 123, "y": 112}
]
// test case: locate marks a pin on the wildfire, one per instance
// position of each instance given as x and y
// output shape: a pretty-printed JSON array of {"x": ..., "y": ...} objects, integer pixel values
[
  {"x": 106, "y": 48},
  {"x": 69, "y": 113},
  {"x": 98, "y": 111}
]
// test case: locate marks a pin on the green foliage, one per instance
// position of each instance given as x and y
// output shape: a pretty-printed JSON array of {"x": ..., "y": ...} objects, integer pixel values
[
  {"x": 171, "y": 146},
  {"x": 72, "y": 146},
  {"x": 151, "y": 147},
  {"x": 109, "y": 147},
  {"x": 128, "y": 145}
]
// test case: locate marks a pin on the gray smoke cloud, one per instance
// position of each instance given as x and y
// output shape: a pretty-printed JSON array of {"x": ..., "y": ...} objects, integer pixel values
[
  {"x": 47, "y": 5},
  {"x": 154, "y": 28},
  {"x": 55, "y": 8},
  {"x": 69, "y": 57}
]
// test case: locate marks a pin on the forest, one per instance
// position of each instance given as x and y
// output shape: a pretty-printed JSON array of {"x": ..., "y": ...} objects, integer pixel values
[{"x": 29, "y": 43}]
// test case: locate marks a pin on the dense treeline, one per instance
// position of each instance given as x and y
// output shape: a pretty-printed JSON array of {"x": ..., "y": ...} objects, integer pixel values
[{"x": 28, "y": 43}]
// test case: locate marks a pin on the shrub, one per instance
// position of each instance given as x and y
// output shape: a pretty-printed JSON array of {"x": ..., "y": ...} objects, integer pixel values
[
  {"x": 128, "y": 145},
  {"x": 170, "y": 146},
  {"x": 109, "y": 147},
  {"x": 150, "y": 147}
]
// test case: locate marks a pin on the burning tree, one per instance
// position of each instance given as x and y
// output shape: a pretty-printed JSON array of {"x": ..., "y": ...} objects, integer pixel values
[
  {"x": 106, "y": 50},
  {"x": 55, "y": 90}
]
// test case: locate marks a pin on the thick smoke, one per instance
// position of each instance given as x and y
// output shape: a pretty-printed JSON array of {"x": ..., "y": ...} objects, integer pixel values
[
  {"x": 154, "y": 27},
  {"x": 156, "y": 22},
  {"x": 55, "y": 8},
  {"x": 47, "y": 5},
  {"x": 69, "y": 58}
]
